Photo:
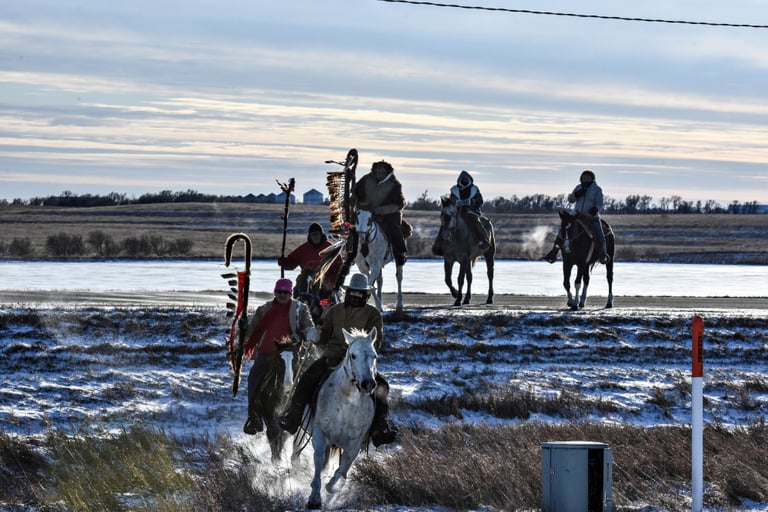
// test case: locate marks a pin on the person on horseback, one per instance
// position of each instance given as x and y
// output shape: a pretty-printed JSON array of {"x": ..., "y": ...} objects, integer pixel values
[
  {"x": 469, "y": 202},
  {"x": 354, "y": 312},
  {"x": 380, "y": 193},
  {"x": 280, "y": 321},
  {"x": 307, "y": 256},
  {"x": 588, "y": 197}
]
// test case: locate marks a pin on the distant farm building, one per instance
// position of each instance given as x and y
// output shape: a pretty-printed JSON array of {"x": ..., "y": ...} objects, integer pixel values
[
  {"x": 313, "y": 196},
  {"x": 280, "y": 198}
]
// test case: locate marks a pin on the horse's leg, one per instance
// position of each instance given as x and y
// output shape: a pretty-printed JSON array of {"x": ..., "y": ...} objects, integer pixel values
[
  {"x": 276, "y": 438},
  {"x": 609, "y": 271},
  {"x": 567, "y": 267},
  {"x": 321, "y": 455},
  {"x": 583, "y": 276},
  {"x": 468, "y": 275},
  {"x": 380, "y": 288},
  {"x": 489, "y": 262},
  {"x": 460, "y": 283},
  {"x": 448, "y": 268},
  {"x": 399, "y": 277}
]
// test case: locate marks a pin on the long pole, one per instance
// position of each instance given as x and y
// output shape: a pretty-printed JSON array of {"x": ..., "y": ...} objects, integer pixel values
[
  {"x": 697, "y": 421},
  {"x": 287, "y": 189}
]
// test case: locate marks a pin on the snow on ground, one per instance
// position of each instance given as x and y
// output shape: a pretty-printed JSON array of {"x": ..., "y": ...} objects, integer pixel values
[{"x": 106, "y": 367}]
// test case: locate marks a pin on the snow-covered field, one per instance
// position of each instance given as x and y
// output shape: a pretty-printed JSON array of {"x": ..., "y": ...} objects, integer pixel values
[{"x": 103, "y": 367}]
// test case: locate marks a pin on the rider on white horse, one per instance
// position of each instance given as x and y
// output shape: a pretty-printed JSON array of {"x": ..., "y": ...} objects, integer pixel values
[
  {"x": 354, "y": 312},
  {"x": 380, "y": 193}
]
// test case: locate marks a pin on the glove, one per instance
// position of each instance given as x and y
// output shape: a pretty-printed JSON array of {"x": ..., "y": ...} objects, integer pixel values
[
  {"x": 580, "y": 192},
  {"x": 313, "y": 334},
  {"x": 281, "y": 261},
  {"x": 461, "y": 202},
  {"x": 593, "y": 211}
]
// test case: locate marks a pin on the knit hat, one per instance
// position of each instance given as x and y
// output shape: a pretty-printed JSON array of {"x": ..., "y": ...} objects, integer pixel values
[{"x": 284, "y": 285}]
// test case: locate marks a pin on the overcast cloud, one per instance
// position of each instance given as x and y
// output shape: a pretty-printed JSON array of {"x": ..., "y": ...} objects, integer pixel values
[{"x": 225, "y": 97}]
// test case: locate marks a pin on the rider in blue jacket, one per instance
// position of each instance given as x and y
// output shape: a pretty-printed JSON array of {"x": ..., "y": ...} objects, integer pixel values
[{"x": 588, "y": 199}]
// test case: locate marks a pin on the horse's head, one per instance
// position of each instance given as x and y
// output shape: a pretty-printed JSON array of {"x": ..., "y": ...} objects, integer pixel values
[
  {"x": 360, "y": 361},
  {"x": 364, "y": 221},
  {"x": 447, "y": 216},
  {"x": 288, "y": 353}
]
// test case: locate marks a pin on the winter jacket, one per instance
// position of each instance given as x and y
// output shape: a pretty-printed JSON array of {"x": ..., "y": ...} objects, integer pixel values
[
  {"x": 382, "y": 198},
  {"x": 299, "y": 320},
  {"x": 592, "y": 199},
  {"x": 471, "y": 194},
  {"x": 341, "y": 316}
]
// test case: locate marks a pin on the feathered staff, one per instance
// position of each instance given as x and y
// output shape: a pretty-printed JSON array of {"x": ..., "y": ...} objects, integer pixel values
[
  {"x": 240, "y": 283},
  {"x": 287, "y": 189},
  {"x": 341, "y": 185}
]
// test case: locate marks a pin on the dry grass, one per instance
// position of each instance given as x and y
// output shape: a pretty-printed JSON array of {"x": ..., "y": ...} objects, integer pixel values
[
  {"x": 684, "y": 237},
  {"x": 461, "y": 466}
]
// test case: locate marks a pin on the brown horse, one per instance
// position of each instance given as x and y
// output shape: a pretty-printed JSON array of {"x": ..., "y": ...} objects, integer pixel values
[
  {"x": 460, "y": 245},
  {"x": 584, "y": 253}
]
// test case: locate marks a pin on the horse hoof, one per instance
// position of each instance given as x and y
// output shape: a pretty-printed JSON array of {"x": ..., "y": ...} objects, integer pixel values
[
  {"x": 457, "y": 302},
  {"x": 489, "y": 301},
  {"x": 314, "y": 504}
]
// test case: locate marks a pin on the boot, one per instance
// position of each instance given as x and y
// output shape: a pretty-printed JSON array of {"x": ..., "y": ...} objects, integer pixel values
[
  {"x": 254, "y": 425},
  {"x": 380, "y": 431},
  {"x": 603, "y": 254},
  {"x": 551, "y": 256}
]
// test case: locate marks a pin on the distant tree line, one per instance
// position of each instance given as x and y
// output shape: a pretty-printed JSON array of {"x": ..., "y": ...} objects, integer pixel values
[
  {"x": 632, "y": 204},
  {"x": 99, "y": 244}
]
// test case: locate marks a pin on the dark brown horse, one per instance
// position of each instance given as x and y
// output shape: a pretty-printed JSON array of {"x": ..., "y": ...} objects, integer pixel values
[
  {"x": 584, "y": 254},
  {"x": 273, "y": 393},
  {"x": 460, "y": 245}
]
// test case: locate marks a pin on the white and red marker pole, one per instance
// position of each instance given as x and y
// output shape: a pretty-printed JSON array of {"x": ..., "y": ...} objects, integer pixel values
[{"x": 697, "y": 421}]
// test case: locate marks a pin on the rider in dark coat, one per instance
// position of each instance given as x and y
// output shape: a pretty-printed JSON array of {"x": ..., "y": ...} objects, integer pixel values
[
  {"x": 588, "y": 199},
  {"x": 353, "y": 313},
  {"x": 380, "y": 193},
  {"x": 469, "y": 203},
  {"x": 307, "y": 256}
]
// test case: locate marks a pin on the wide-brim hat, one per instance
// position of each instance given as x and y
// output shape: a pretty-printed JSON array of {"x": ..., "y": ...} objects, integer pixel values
[{"x": 358, "y": 282}]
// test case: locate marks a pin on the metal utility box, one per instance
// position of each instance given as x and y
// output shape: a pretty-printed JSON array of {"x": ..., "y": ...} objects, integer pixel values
[{"x": 576, "y": 477}]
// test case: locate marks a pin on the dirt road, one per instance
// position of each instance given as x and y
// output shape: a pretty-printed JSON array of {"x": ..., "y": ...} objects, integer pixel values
[{"x": 70, "y": 299}]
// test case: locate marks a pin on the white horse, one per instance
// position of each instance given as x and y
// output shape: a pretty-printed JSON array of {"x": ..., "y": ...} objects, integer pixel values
[
  {"x": 344, "y": 410},
  {"x": 374, "y": 251}
]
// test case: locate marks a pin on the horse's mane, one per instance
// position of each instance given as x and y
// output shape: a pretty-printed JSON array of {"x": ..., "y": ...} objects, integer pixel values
[
  {"x": 357, "y": 332},
  {"x": 329, "y": 255}
]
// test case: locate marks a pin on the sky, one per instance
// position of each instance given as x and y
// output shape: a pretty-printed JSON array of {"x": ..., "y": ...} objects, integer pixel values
[{"x": 229, "y": 97}]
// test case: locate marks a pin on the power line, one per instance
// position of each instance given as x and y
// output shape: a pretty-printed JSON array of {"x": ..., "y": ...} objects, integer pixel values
[{"x": 575, "y": 15}]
